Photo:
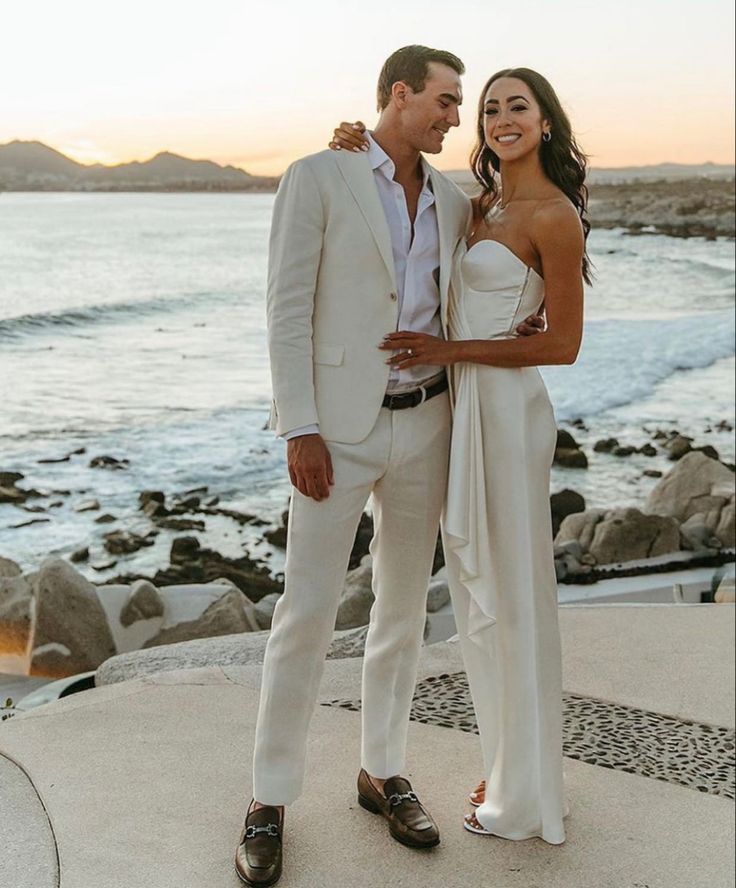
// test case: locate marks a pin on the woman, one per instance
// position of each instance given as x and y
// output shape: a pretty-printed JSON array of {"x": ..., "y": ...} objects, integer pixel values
[{"x": 525, "y": 250}]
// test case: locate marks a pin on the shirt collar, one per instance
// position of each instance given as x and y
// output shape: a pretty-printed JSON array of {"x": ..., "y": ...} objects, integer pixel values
[{"x": 378, "y": 159}]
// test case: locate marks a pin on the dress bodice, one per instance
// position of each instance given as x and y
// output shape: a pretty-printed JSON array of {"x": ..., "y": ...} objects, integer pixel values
[{"x": 497, "y": 290}]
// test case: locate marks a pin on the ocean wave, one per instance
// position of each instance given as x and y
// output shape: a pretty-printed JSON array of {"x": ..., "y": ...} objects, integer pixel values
[
  {"x": 623, "y": 361},
  {"x": 44, "y": 321},
  {"x": 721, "y": 266},
  {"x": 699, "y": 255}
]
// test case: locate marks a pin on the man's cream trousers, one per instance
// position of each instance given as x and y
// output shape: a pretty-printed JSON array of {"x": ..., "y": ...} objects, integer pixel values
[{"x": 403, "y": 465}]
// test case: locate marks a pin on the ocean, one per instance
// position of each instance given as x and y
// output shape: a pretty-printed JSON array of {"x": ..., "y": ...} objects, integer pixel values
[{"x": 133, "y": 325}]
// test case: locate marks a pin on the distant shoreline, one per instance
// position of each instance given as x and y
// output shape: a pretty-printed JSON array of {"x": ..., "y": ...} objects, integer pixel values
[
  {"x": 679, "y": 200},
  {"x": 680, "y": 208},
  {"x": 269, "y": 187}
]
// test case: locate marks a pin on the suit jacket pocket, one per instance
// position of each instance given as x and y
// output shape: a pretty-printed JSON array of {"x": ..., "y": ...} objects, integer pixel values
[{"x": 328, "y": 354}]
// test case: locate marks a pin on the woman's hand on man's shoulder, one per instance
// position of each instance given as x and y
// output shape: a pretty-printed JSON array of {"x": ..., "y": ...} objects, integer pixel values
[{"x": 349, "y": 136}]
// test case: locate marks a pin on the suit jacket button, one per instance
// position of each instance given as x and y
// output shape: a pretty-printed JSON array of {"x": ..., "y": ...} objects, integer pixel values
[{"x": 393, "y": 297}]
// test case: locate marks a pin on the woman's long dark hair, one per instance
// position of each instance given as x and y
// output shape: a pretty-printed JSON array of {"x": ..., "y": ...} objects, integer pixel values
[{"x": 563, "y": 162}]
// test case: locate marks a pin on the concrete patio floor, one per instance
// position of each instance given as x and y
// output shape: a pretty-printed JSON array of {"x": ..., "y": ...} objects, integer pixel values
[{"x": 143, "y": 784}]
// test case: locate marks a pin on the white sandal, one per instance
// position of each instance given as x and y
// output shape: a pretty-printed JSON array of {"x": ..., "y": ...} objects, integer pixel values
[{"x": 472, "y": 825}]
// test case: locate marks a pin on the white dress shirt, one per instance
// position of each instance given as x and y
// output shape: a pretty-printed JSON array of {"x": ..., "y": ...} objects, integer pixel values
[{"x": 416, "y": 264}]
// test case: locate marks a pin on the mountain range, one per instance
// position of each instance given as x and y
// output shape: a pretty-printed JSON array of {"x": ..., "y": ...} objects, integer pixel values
[{"x": 33, "y": 166}]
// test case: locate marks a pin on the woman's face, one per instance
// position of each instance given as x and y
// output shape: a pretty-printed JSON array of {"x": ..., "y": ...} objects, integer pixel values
[{"x": 513, "y": 119}]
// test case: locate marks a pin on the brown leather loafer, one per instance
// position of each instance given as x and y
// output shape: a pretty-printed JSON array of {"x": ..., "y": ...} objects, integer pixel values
[
  {"x": 258, "y": 858},
  {"x": 408, "y": 822}
]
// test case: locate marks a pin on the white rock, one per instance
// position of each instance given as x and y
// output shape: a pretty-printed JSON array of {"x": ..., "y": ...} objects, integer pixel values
[
  {"x": 357, "y": 597},
  {"x": 9, "y": 568},
  {"x": 224, "y": 616},
  {"x": 228, "y": 650},
  {"x": 726, "y": 529},
  {"x": 696, "y": 534},
  {"x": 144, "y": 603},
  {"x": 579, "y": 526},
  {"x": 438, "y": 595},
  {"x": 696, "y": 484},
  {"x": 264, "y": 609}
]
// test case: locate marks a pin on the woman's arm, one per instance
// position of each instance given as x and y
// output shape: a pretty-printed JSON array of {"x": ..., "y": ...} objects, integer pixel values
[{"x": 558, "y": 238}]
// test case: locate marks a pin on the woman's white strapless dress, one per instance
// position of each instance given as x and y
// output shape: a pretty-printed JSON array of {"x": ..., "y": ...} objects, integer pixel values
[{"x": 498, "y": 543}]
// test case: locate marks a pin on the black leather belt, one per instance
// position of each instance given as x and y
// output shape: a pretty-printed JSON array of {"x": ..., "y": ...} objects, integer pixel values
[{"x": 418, "y": 396}]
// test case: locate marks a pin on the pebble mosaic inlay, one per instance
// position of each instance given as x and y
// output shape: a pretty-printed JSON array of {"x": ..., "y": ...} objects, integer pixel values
[{"x": 610, "y": 735}]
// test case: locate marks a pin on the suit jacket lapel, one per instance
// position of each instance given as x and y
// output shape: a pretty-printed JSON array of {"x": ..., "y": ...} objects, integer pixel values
[
  {"x": 359, "y": 179},
  {"x": 447, "y": 238}
]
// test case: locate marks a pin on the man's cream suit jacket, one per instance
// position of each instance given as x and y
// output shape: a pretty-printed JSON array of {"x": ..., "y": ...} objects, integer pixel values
[{"x": 332, "y": 292}]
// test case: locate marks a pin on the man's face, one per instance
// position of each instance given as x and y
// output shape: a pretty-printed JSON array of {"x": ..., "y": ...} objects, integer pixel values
[{"x": 427, "y": 116}]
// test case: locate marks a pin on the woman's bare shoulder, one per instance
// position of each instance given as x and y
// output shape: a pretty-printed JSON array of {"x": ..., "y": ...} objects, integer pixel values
[{"x": 556, "y": 211}]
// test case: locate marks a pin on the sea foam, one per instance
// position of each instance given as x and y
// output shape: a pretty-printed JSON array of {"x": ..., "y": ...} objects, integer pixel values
[{"x": 622, "y": 361}]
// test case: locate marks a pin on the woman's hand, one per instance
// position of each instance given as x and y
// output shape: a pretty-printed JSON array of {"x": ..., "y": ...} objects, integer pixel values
[
  {"x": 415, "y": 349},
  {"x": 349, "y": 136}
]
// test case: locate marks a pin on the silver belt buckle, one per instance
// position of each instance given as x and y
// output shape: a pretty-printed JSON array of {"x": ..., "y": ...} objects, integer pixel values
[{"x": 423, "y": 390}]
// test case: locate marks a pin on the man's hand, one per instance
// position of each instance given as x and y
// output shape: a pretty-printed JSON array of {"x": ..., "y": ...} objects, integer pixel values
[
  {"x": 310, "y": 466},
  {"x": 531, "y": 325}
]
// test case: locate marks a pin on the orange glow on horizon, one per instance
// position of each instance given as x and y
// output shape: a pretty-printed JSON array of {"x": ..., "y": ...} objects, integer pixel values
[{"x": 454, "y": 157}]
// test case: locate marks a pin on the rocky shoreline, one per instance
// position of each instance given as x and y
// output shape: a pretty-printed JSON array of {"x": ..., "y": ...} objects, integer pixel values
[
  {"x": 55, "y": 622},
  {"x": 679, "y": 207}
]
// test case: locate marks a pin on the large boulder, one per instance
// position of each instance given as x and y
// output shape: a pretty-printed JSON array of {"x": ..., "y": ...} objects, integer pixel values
[
  {"x": 16, "y": 606},
  {"x": 357, "y": 597},
  {"x": 69, "y": 631},
  {"x": 568, "y": 452},
  {"x": 563, "y": 503},
  {"x": 696, "y": 535},
  {"x": 9, "y": 568},
  {"x": 628, "y": 534},
  {"x": 696, "y": 484},
  {"x": 264, "y": 609},
  {"x": 438, "y": 595},
  {"x": 227, "y": 650},
  {"x": 580, "y": 526},
  {"x": 144, "y": 603},
  {"x": 725, "y": 530},
  {"x": 224, "y": 616},
  {"x": 142, "y": 614}
]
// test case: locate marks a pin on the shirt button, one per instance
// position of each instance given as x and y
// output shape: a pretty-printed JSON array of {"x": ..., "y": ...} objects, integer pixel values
[{"x": 393, "y": 297}]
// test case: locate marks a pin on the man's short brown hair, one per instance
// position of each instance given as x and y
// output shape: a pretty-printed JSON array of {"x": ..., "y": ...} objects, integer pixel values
[{"x": 410, "y": 65}]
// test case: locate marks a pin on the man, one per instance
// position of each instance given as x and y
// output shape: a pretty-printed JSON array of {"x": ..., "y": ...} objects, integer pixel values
[{"x": 361, "y": 246}]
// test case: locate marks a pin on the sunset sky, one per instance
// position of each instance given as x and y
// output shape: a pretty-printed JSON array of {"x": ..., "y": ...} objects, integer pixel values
[{"x": 257, "y": 83}]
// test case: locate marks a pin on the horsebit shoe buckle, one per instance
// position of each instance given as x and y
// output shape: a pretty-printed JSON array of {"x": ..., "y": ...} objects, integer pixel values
[
  {"x": 271, "y": 830},
  {"x": 397, "y": 798}
]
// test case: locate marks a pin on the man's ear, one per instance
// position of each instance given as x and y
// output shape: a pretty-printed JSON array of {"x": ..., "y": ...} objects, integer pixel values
[{"x": 400, "y": 92}]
